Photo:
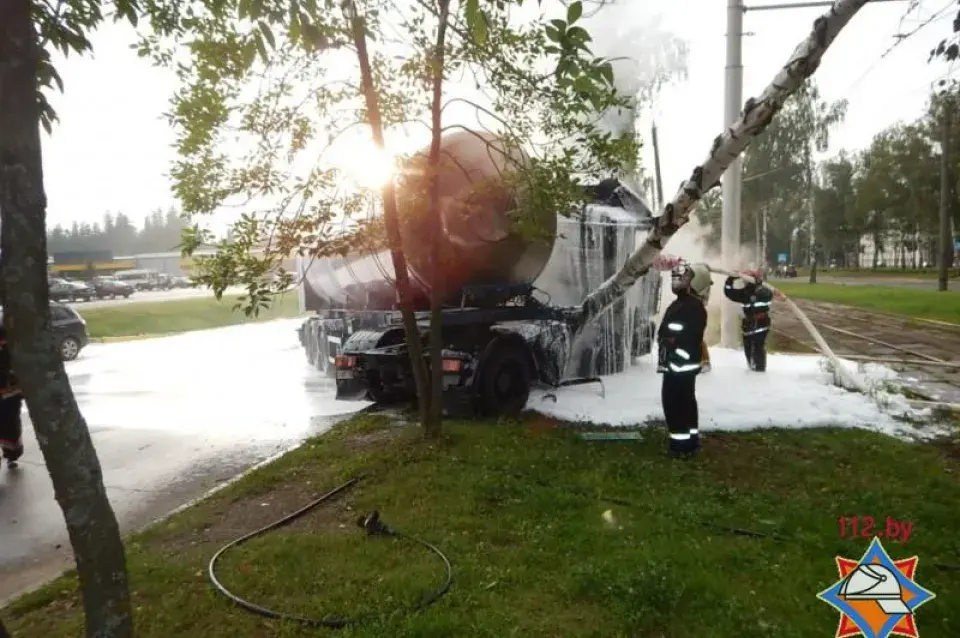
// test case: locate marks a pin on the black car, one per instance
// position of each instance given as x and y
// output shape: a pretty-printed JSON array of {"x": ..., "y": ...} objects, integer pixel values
[
  {"x": 63, "y": 290},
  {"x": 69, "y": 328},
  {"x": 108, "y": 287}
]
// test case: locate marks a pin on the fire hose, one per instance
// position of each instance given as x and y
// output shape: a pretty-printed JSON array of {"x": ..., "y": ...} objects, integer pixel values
[
  {"x": 371, "y": 524},
  {"x": 841, "y": 374}
]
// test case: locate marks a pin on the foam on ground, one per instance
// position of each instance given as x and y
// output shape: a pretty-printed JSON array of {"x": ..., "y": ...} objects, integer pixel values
[{"x": 796, "y": 391}]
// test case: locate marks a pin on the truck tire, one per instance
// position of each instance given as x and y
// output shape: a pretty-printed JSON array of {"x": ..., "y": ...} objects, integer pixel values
[
  {"x": 504, "y": 385},
  {"x": 321, "y": 354},
  {"x": 308, "y": 347}
]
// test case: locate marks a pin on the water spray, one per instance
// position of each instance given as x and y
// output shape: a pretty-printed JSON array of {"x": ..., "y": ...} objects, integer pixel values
[{"x": 842, "y": 376}]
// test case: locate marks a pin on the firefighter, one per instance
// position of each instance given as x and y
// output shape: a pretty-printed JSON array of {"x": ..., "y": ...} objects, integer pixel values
[
  {"x": 680, "y": 340},
  {"x": 11, "y": 404},
  {"x": 755, "y": 300}
]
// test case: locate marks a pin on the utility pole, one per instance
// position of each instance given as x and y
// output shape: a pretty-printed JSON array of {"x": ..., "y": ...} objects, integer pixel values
[
  {"x": 656, "y": 165},
  {"x": 812, "y": 223},
  {"x": 732, "y": 178},
  {"x": 946, "y": 192}
]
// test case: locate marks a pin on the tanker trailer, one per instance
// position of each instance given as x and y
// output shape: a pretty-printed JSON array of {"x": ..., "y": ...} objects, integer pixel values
[{"x": 511, "y": 296}]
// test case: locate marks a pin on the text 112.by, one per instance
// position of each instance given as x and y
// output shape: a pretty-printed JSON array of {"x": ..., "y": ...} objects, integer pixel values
[{"x": 866, "y": 527}]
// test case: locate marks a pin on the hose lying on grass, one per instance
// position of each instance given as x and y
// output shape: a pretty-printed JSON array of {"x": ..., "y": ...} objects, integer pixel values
[{"x": 371, "y": 524}]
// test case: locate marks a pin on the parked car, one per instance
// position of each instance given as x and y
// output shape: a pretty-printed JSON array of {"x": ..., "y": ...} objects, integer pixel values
[
  {"x": 110, "y": 287},
  {"x": 64, "y": 290},
  {"x": 181, "y": 282},
  {"x": 69, "y": 328}
]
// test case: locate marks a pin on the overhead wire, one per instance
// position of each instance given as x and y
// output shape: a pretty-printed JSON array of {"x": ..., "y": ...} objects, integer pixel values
[{"x": 900, "y": 39}]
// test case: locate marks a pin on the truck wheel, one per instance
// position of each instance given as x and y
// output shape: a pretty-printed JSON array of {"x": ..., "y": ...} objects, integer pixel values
[
  {"x": 309, "y": 344},
  {"x": 504, "y": 383},
  {"x": 322, "y": 354}
]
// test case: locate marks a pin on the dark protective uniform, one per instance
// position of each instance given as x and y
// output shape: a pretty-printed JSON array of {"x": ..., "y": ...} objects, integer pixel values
[
  {"x": 11, "y": 403},
  {"x": 755, "y": 301},
  {"x": 680, "y": 340}
]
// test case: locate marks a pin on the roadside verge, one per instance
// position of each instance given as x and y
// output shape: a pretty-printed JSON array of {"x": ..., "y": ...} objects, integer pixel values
[{"x": 520, "y": 509}]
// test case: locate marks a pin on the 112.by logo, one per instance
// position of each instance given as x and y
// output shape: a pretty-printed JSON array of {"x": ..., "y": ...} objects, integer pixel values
[{"x": 866, "y": 526}]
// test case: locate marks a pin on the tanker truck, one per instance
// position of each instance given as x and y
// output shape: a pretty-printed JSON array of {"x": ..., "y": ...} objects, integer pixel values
[{"x": 511, "y": 296}]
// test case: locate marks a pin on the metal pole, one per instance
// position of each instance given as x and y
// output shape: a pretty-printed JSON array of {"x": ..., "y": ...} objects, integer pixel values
[
  {"x": 730, "y": 216},
  {"x": 802, "y": 5},
  {"x": 946, "y": 239},
  {"x": 732, "y": 178},
  {"x": 656, "y": 165}
]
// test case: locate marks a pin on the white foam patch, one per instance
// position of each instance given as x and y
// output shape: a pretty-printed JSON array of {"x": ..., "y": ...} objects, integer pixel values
[{"x": 796, "y": 391}]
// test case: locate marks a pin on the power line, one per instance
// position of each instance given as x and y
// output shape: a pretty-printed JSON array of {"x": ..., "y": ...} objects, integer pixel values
[{"x": 900, "y": 39}]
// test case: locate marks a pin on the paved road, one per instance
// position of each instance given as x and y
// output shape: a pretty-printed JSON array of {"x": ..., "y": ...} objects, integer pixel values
[
  {"x": 171, "y": 418},
  {"x": 152, "y": 296}
]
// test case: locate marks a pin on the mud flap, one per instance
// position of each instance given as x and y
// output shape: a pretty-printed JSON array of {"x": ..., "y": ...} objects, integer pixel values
[
  {"x": 351, "y": 389},
  {"x": 578, "y": 381}
]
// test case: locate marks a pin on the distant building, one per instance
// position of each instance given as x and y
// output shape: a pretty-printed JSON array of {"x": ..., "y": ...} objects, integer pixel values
[
  {"x": 86, "y": 266},
  {"x": 898, "y": 250}
]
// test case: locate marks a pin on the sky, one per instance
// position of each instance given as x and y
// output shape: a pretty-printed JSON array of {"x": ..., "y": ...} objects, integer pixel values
[{"x": 112, "y": 148}]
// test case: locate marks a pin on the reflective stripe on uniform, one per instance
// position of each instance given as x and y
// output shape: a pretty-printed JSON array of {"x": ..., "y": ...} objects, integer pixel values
[
  {"x": 685, "y": 368},
  {"x": 755, "y": 332},
  {"x": 694, "y": 431},
  {"x": 676, "y": 327},
  {"x": 757, "y": 304},
  {"x": 683, "y": 353},
  {"x": 679, "y": 437}
]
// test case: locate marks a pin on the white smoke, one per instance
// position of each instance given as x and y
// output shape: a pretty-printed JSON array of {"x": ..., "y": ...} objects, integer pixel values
[
  {"x": 691, "y": 244},
  {"x": 645, "y": 57}
]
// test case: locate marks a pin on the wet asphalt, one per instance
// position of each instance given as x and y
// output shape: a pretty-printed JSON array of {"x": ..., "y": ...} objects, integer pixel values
[{"x": 171, "y": 418}]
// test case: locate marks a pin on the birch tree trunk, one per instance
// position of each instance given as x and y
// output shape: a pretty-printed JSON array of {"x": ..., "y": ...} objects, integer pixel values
[
  {"x": 756, "y": 116},
  {"x": 61, "y": 431}
]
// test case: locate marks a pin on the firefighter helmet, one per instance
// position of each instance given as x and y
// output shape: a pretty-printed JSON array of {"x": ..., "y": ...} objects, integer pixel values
[
  {"x": 693, "y": 278},
  {"x": 701, "y": 281}
]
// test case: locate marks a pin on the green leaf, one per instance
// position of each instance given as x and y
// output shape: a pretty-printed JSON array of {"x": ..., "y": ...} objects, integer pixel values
[
  {"x": 579, "y": 34},
  {"x": 553, "y": 34},
  {"x": 606, "y": 70},
  {"x": 583, "y": 84},
  {"x": 258, "y": 39},
  {"x": 480, "y": 29},
  {"x": 267, "y": 34},
  {"x": 574, "y": 11},
  {"x": 560, "y": 25},
  {"x": 472, "y": 13}
]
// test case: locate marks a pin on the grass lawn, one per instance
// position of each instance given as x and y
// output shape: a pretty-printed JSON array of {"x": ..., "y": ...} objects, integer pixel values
[
  {"x": 911, "y": 302},
  {"x": 879, "y": 273},
  {"x": 518, "y": 510},
  {"x": 177, "y": 315}
]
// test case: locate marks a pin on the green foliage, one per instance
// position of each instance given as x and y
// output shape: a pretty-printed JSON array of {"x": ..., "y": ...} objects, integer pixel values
[
  {"x": 779, "y": 171},
  {"x": 270, "y": 94},
  {"x": 889, "y": 192}
]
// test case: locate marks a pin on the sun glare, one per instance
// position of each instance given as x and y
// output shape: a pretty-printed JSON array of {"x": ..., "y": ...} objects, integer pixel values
[{"x": 365, "y": 165}]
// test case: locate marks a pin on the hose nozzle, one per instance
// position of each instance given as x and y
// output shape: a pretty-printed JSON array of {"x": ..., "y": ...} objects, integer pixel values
[{"x": 373, "y": 526}]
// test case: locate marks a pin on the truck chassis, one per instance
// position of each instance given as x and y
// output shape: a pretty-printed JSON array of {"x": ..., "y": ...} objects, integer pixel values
[{"x": 492, "y": 357}]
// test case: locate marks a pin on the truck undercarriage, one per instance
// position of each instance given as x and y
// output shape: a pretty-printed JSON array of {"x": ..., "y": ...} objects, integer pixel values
[{"x": 491, "y": 359}]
